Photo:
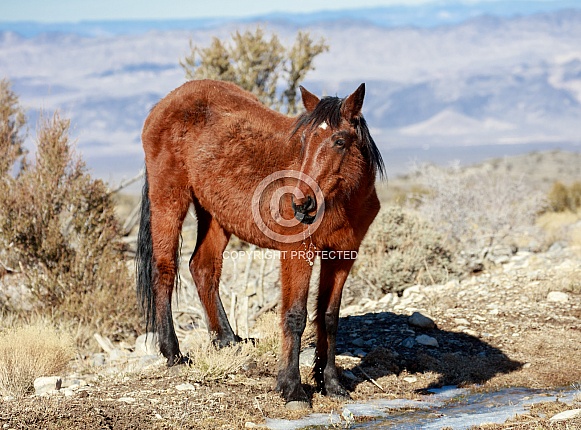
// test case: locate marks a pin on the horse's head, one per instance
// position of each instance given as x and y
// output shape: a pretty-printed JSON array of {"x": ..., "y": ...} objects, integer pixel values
[{"x": 338, "y": 152}]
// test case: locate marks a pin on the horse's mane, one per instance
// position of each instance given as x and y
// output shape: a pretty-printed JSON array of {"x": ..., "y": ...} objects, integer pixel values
[{"x": 328, "y": 110}]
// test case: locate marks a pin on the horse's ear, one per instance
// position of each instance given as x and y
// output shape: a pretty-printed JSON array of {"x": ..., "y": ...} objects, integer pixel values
[
  {"x": 352, "y": 105},
  {"x": 310, "y": 101}
]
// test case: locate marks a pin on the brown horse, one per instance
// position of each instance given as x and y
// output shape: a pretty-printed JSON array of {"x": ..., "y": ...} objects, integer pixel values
[{"x": 304, "y": 186}]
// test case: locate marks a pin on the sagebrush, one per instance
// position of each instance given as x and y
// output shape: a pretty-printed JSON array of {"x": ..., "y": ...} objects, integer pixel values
[
  {"x": 400, "y": 250},
  {"x": 257, "y": 64},
  {"x": 58, "y": 229}
]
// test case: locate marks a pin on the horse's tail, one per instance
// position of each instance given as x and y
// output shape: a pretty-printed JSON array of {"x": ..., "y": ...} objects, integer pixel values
[{"x": 144, "y": 261}]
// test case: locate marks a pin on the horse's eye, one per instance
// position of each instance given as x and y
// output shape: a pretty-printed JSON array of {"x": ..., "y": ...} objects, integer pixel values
[{"x": 340, "y": 143}]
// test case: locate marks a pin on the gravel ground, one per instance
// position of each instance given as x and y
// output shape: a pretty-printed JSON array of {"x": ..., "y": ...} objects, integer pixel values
[{"x": 517, "y": 325}]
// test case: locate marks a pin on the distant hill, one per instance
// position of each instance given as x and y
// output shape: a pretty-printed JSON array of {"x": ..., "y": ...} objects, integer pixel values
[{"x": 485, "y": 87}]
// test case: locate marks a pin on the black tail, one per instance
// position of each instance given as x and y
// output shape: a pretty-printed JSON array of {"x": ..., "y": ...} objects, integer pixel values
[{"x": 144, "y": 261}]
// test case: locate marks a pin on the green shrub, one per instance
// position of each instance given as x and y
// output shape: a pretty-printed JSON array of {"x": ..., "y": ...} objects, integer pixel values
[{"x": 258, "y": 65}]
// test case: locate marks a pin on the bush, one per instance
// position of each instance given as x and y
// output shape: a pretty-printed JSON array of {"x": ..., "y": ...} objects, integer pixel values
[
  {"x": 562, "y": 198},
  {"x": 257, "y": 65},
  {"x": 478, "y": 210},
  {"x": 31, "y": 351},
  {"x": 57, "y": 226},
  {"x": 400, "y": 250}
]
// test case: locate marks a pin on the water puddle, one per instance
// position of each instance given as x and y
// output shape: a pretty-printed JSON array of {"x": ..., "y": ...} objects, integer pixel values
[{"x": 450, "y": 406}]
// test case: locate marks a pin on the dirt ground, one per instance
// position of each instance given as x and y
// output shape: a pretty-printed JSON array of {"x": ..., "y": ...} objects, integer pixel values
[{"x": 500, "y": 328}]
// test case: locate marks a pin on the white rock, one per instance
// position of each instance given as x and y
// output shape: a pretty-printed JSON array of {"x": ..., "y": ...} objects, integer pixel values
[
  {"x": 128, "y": 400},
  {"x": 147, "y": 346},
  {"x": 567, "y": 415},
  {"x": 307, "y": 357},
  {"x": 185, "y": 387},
  {"x": 410, "y": 379},
  {"x": 427, "y": 340},
  {"x": 45, "y": 384},
  {"x": 558, "y": 297}
]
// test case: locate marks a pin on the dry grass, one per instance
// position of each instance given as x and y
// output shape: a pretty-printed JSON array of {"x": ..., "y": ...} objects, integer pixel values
[
  {"x": 209, "y": 363},
  {"x": 30, "y": 351},
  {"x": 267, "y": 329}
]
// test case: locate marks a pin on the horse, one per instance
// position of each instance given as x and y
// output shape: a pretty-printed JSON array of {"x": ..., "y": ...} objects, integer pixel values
[{"x": 304, "y": 186}]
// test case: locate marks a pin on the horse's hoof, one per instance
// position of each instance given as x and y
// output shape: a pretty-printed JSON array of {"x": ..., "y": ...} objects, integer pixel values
[
  {"x": 297, "y": 405},
  {"x": 178, "y": 359}
]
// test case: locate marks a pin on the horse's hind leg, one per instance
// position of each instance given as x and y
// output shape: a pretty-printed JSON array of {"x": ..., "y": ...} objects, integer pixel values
[
  {"x": 206, "y": 268},
  {"x": 169, "y": 206}
]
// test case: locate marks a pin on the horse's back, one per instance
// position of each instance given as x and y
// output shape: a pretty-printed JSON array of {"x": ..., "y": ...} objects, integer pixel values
[{"x": 196, "y": 99}]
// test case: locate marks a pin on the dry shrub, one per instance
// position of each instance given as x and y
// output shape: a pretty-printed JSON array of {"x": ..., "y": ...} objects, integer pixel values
[
  {"x": 30, "y": 351},
  {"x": 560, "y": 226},
  {"x": 562, "y": 198},
  {"x": 478, "y": 210},
  {"x": 58, "y": 226},
  {"x": 400, "y": 250}
]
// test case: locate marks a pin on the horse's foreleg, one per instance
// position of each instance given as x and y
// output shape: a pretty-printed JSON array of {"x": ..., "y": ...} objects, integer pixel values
[
  {"x": 295, "y": 276},
  {"x": 206, "y": 268},
  {"x": 333, "y": 276}
]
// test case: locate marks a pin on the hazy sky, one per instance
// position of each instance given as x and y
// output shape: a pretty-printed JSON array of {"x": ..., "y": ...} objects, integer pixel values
[{"x": 77, "y": 10}]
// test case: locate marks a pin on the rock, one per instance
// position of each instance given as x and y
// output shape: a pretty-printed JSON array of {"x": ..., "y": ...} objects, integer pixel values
[
  {"x": 567, "y": 415},
  {"x": 349, "y": 375},
  {"x": 117, "y": 354},
  {"x": 307, "y": 357},
  {"x": 358, "y": 342},
  {"x": 462, "y": 321},
  {"x": 146, "y": 344},
  {"x": 414, "y": 289},
  {"x": 98, "y": 359},
  {"x": 185, "y": 387},
  {"x": 297, "y": 405},
  {"x": 388, "y": 299},
  {"x": 408, "y": 342},
  {"x": 45, "y": 384},
  {"x": 359, "y": 353},
  {"x": 127, "y": 400},
  {"x": 421, "y": 321},
  {"x": 348, "y": 416},
  {"x": 557, "y": 246},
  {"x": 427, "y": 340},
  {"x": 410, "y": 379},
  {"x": 558, "y": 297},
  {"x": 251, "y": 425}
]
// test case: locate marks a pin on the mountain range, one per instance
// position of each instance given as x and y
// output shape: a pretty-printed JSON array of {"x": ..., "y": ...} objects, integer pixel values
[{"x": 465, "y": 88}]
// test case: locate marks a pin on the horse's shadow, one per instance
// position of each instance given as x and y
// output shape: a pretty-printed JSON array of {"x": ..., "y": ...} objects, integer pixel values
[{"x": 389, "y": 345}]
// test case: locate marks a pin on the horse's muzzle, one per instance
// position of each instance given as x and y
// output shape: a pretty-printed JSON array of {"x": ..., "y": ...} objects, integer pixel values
[{"x": 302, "y": 210}]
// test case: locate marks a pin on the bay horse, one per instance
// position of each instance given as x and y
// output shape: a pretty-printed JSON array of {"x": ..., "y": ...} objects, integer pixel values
[{"x": 214, "y": 145}]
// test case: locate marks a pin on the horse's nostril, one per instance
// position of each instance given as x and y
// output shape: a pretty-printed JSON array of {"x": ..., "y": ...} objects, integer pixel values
[{"x": 307, "y": 206}]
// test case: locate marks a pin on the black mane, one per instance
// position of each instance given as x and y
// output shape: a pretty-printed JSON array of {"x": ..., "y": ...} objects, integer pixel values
[{"x": 329, "y": 110}]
